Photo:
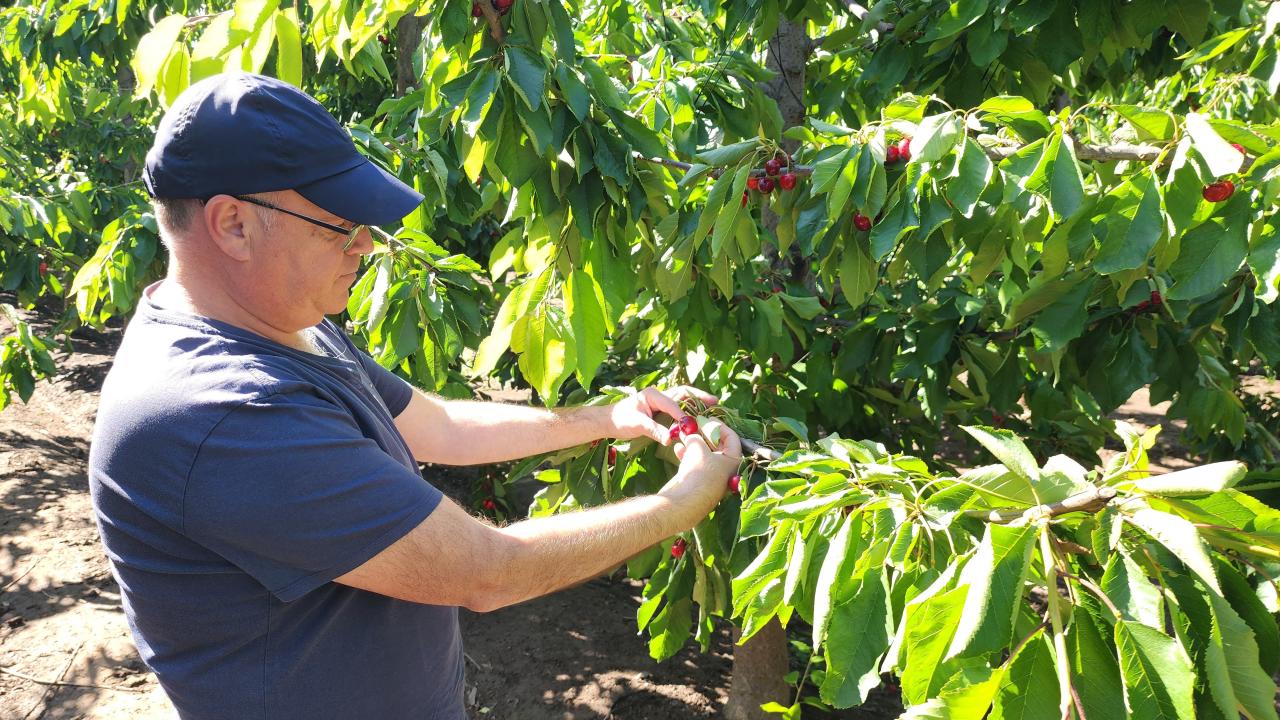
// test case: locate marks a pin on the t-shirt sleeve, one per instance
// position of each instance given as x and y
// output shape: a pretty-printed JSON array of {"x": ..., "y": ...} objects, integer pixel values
[
  {"x": 396, "y": 392},
  {"x": 288, "y": 489}
]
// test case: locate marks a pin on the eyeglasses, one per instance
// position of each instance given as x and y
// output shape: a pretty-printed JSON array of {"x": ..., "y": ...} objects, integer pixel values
[{"x": 350, "y": 232}]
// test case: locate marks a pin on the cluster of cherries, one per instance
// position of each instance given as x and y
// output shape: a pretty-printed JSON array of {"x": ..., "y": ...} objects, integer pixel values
[
  {"x": 502, "y": 6},
  {"x": 899, "y": 152},
  {"x": 1219, "y": 191},
  {"x": 765, "y": 184}
]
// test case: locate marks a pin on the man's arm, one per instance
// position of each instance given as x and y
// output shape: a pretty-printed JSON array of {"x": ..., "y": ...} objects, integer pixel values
[
  {"x": 464, "y": 432},
  {"x": 452, "y": 558}
]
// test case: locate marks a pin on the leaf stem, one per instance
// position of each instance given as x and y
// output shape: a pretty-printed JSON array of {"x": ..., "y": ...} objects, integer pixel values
[{"x": 1059, "y": 639}]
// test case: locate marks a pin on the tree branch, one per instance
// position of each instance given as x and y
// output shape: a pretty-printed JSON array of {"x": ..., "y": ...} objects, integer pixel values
[
  {"x": 1088, "y": 501},
  {"x": 764, "y": 453},
  {"x": 492, "y": 17}
]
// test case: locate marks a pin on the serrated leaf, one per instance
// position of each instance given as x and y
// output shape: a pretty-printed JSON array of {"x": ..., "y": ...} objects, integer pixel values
[
  {"x": 1200, "y": 480},
  {"x": 995, "y": 576},
  {"x": 1029, "y": 689},
  {"x": 153, "y": 52},
  {"x": 1158, "y": 678},
  {"x": 936, "y": 136},
  {"x": 586, "y": 315},
  {"x": 1008, "y": 449},
  {"x": 1180, "y": 537},
  {"x": 528, "y": 75},
  {"x": 859, "y": 634},
  {"x": 1218, "y": 153}
]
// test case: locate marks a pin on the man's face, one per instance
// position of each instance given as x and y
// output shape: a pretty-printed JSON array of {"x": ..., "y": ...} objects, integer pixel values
[{"x": 301, "y": 270}]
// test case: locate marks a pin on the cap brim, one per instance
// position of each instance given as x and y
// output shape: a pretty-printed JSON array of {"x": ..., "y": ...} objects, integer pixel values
[{"x": 366, "y": 194}]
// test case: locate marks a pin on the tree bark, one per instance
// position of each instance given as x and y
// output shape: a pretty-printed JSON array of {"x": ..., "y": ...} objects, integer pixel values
[
  {"x": 789, "y": 50},
  {"x": 759, "y": 666},
  {"x": 408, "y": 37}
]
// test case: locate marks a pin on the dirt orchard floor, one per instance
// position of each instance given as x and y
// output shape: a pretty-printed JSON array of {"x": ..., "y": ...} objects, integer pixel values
[{"x": 574, "y": 654}]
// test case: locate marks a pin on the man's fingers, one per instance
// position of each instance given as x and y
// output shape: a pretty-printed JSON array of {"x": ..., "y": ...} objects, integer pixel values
[
  {"x": 687, "y": 391},
  {"x": 728, "y": 442},
  {"x": 657, "y": 400}
]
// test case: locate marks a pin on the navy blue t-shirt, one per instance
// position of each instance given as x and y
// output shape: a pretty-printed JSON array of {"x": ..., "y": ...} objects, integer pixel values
[{"x": 233, "y": 479}]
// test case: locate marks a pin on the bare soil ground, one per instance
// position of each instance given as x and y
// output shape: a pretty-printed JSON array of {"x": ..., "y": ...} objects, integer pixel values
[{"x": 66, "y": 652}]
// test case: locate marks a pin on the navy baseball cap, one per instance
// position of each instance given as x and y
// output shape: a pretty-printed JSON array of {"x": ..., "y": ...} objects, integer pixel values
[{"x": 239, "y": 133}]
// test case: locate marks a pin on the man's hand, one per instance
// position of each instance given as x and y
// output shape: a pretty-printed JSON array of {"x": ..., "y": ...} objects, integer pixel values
[
  {"x": 703, "y": 477},
  {"x": 633, "y": 417}
]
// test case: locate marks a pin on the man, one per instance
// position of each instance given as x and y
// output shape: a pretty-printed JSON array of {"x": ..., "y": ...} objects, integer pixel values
[{"x": 255, "y": 475}]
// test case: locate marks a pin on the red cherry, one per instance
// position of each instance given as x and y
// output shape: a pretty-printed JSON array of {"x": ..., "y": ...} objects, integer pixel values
[
  {"x": 904, "y": 148},
  {"x": 1156, "y": 299},
  {"x": 612, "y": 456},
  {"x": 787, "y": 181},
  {"x": 766, "y": 185},
  {"x": 383, "y": 39},
  {"x": 862, "y": 222},
  {"x": 674, "y": 434},
  {"x": 475, "y": 10},
  {"x": 1218, "y": 191},
  {"x": 44, "y": 268},
  {"x": 777, "y": 289},
  {"x": 678, "y": 548},
  {"x": 1239, "y": 147},
  {"x": 891, "y": 154},
  {"x": 753, "y": 182},
  {"x": 744, "y": 198},
  {"x": 734, "y": 483},
  {"x": 688, "y": 425},
  {"x": 490, "y": 504},
  {"x": 504, "y": 5},
  {"x": 772, "y": 166}
]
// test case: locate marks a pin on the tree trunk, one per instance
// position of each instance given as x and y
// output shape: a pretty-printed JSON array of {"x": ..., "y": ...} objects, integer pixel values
[
  {"x": 759, "y": 666},
  {"x": 789, "y": 50},
  {"x": 408, "y": 38}
]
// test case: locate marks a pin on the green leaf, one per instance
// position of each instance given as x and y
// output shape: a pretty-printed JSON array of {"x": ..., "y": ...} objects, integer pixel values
[
  {"x": 995, "y": 576},
  {"x": 898, "y": 220},
  {"x": 727, "y": 154},
  {"x": 1131, "y": 592},
  {"x": 288, "y": 47},
  {"x": 575, "y": 92},
  {"x": 1019, "y": 114},
  {"x": 1066, "y": 185},
  {"x": 859, "y": 275},
  {"x": 584, "y": 306},
  {"x": 527, "y": 74},
  {"x": 1199, "y": 480},
  {"x": 1180, "y": 537},
  {"x": 929, "y": 629},
  {"x": 1129, "y": 242},
  {"x": 825, "y": 172},
  {"x": 960, "y": 15},
  {"x": 859, "y": 634},
  {"x": 1215, "y": 46},
  {"x": 1189, "y": 18},
  {"x": 837, "y": 565},
  {"x": 1008, "y": 449},
  {"x": 936, "y": 136},
  {"x": 1218, "y": 153},
  {"x": 548, "y": 356},
  {"x": 153, "y": 53},
  {"x": 1150, "y": 123},
  {"x": 975, "y": 171},
  {"x": 1094, "y": 670},
  {"x": 1233, "y": 645},
  {"x": 1158, "y": 679},
  {"x": 1210, "y": 254},
  {"x": 1029, "y": 689}
]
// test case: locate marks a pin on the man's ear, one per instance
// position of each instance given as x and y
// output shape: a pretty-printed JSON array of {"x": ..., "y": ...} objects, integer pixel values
[{"x": 225, "y": 219}]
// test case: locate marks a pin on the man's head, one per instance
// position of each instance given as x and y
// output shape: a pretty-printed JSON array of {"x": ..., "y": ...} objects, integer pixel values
[{"x": 256, "y": 186}]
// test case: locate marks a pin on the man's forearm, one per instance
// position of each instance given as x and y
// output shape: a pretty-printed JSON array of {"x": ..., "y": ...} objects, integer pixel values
[
  {"x": 546, "y": 554},
  {"x": 475, "y": 433}
]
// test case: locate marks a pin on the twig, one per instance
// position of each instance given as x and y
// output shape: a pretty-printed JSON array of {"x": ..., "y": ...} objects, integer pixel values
[
  {"x": 1088, "y": 501},
  {"x": 197, "y": 19},
  {"x": 26, "y": 572},
  {"x": 764, "y": 453},
  {"x": 44, "y": 696},
  {"x": 60, "y": 683},
  {"x": 492, "y": 17},
  {"x": 1093, "y": 587}
]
